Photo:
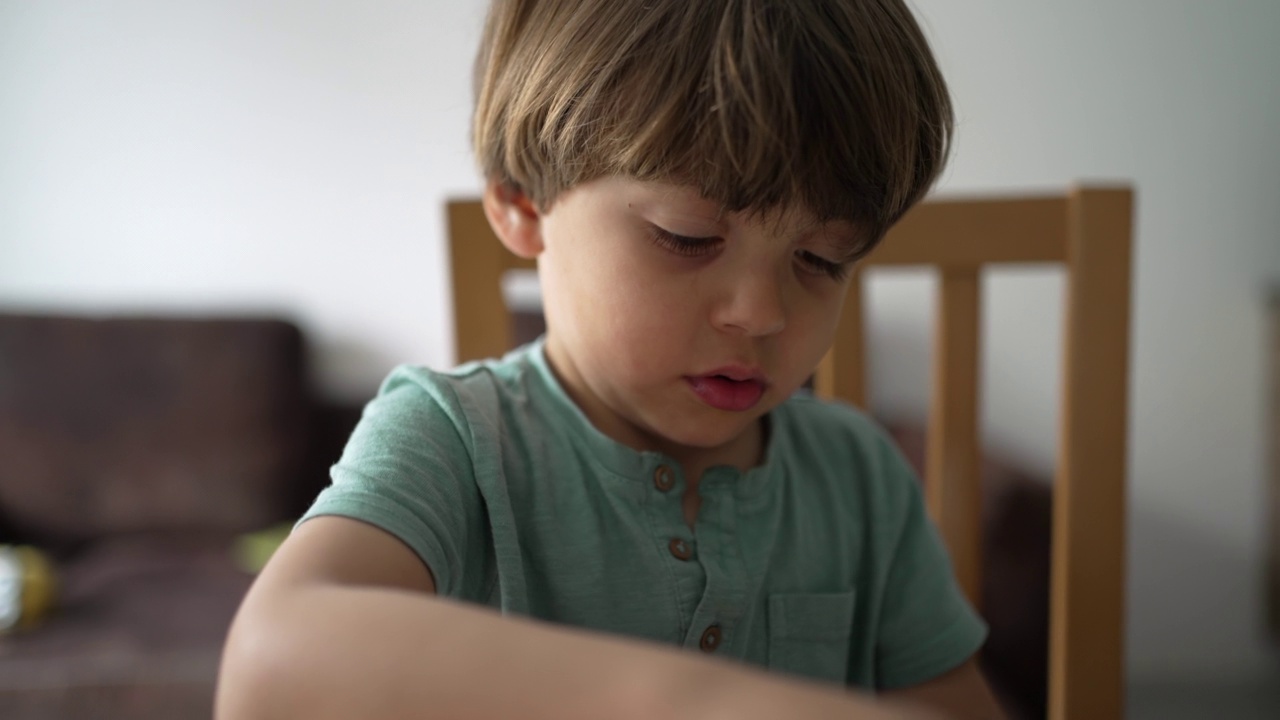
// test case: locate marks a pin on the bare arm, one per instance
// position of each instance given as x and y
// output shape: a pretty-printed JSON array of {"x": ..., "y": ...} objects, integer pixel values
[{"x": 343, "y": 623}]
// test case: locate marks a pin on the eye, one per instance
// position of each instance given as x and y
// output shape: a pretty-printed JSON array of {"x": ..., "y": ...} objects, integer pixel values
[
  {"x": 683, "y": 245},
  {"x": 817, "y": 264}
]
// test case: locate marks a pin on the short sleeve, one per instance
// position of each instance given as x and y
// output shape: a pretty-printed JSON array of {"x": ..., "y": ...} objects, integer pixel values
[
  {"x": 927, "y": 626},
  {"x": 408, "y": 470}
]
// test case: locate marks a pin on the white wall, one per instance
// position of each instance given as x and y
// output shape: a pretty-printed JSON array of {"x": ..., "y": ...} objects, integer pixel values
[
  {"x": 293, "y": 156},
  {"x": 282, "y": 156}
]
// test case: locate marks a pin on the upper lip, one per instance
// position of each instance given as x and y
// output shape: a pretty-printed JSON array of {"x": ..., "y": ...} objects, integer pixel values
[{"x": 740, "y": 373}]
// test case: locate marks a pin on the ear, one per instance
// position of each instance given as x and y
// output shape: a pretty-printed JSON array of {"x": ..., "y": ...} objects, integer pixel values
[{"x": 514, "y": 218}]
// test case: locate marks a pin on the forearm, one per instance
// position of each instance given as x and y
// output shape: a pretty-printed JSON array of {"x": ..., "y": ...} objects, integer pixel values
[{"x": 391, "y": 654}]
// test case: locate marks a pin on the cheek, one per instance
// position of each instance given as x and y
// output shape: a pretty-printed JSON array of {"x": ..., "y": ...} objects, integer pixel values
[
  {"x": 828, "y": 321},
  {"x": 811, "y": 335},
  {"x": 624, "y": 306},
  {"x": 628, "y": 284},
  {"x": 642, "y": 317}
]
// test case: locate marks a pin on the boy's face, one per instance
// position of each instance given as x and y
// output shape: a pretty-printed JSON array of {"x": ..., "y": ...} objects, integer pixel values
[{"x": 676, "y": 327}]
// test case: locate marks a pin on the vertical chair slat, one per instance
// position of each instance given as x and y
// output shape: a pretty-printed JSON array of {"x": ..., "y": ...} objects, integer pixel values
[
  {"x": 842, "y": 372},
  {"x": 482, "y": 325},
  {"x": 1086, "y": 659},
  {"x": 954, "y": 494}
]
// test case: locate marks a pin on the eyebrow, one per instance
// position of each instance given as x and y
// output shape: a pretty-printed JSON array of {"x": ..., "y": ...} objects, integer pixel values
[
  {"x": 690, "y": 206},
  {"x": 854, "y": 248},
  {"x": 849, "y": 243}
]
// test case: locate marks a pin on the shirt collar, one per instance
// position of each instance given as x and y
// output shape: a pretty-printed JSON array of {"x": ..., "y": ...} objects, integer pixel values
[{"x": 640, "y": 465}]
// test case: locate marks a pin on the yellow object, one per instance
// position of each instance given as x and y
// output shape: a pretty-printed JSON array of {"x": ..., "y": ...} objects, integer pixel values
[
  {"x": 253, "y": 550},
  {"x": 28, "y": 587}
]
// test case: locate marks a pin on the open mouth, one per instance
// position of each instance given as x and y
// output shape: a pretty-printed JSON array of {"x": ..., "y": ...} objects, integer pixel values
[{"x": 723, "y": 392}]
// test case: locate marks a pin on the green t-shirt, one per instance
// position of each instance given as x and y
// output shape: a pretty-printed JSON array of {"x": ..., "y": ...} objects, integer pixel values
[{"x": 819, "y": 562}]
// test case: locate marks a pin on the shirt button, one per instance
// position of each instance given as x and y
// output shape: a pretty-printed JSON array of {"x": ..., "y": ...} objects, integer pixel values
[
  {"x": 663, "y": 479},
  {"x": 710, "y": 639},
  {"x": 680, "y": 549}
]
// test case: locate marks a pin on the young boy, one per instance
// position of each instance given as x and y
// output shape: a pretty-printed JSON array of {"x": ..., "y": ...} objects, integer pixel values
[{"x": 696, "y": 178}]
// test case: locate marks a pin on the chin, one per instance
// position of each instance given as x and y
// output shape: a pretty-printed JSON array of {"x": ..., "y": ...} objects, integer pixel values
[{"x": 710, "y": 434}]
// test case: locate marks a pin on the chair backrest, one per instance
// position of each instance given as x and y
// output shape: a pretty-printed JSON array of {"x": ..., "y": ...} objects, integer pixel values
[{"x": 1087, "y": 231}]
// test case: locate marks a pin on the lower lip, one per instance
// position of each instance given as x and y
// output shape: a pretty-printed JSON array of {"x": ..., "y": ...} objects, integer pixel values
[{"x": 725, "y": 394}]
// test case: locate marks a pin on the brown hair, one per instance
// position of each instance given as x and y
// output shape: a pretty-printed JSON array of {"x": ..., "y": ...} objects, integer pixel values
[{"x": 836, "y": 104}]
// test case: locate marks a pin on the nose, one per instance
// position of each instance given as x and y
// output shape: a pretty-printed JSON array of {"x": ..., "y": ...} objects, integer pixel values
[{"x": 752, "y": 305}]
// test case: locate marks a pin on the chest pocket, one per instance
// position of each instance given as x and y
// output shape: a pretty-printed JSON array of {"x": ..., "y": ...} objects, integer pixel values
[{"x": 809, "y": 634}]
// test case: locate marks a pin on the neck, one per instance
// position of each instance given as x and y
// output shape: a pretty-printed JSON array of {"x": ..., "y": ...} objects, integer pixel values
[{"x": 743, "y": 452}]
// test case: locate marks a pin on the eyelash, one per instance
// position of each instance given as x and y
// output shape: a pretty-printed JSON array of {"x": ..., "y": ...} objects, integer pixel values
[
  {"x": 834, "y": 270},
  {"x": 694, "y": 247},
  {"x": 682, "y": 245}
]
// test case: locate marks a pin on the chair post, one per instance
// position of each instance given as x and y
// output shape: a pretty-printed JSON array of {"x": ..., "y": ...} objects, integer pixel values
[
  {"x": 953, "y": 485},
  {"x": 1087, "y": 605},
  {"x": 842, "y": 373},
  {"x": 481, "y": 323}
]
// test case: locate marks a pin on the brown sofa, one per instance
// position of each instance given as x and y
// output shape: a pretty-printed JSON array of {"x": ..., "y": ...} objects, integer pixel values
[{"x": 136, "y": 450}]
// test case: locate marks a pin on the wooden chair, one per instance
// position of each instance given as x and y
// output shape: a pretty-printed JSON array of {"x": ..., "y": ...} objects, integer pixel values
[{"x": 1088, "y": 232}]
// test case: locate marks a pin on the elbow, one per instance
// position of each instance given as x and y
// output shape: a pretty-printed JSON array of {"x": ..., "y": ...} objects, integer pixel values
[{"x": 252, "y": 675}]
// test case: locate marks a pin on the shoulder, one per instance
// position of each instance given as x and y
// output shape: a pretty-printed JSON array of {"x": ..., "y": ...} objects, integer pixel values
[
  {"x": 841, "y": 443},
  {"x": 827, "y": 420},
  {"x": 468, "y": 398},
  {"x": 827, "y": 430}
]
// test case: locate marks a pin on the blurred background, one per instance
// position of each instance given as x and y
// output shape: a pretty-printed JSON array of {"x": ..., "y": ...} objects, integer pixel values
[{"x": 291, "y": 159}]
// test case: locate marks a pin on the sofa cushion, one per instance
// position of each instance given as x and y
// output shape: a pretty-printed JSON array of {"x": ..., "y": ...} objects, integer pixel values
[
  {"x": 126, "y": 425},
  {"x": 137, "y": 633}
]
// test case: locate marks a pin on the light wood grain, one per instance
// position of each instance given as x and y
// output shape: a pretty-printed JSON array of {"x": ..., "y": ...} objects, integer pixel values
[
  {"x": 842, "y": 372},
  {"x": 1086, "y": 631},
  {"x": 954, "y": 493},
  {"x": 482, "y": 325},
  {"x": 970, "y": 233}
]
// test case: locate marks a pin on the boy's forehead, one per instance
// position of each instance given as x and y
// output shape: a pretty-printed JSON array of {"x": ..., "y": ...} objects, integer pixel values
[{"x": 688, "y": 202}]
